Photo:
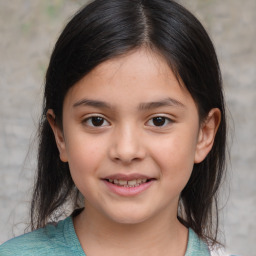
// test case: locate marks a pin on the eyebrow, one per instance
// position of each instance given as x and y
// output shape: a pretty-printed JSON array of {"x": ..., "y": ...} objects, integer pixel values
[
  {"x": 161, "y": 103},
  {"x": 92, "y": 103},
  {"x": 142, "y": 106}
]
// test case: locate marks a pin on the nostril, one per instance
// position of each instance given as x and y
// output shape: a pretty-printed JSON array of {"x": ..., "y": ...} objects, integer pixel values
[{"x": 125, "y": 151}]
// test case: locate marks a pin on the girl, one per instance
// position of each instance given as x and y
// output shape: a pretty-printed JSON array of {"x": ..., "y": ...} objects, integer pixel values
[{"x": 132, "y": 132}]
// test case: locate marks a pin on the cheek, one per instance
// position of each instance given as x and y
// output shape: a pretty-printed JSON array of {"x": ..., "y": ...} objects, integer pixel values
[
  {"x": 175, "y": 157},
  {"x": 83, "y": 164},
  {"x": 175, "y": 171},
  {"x": 84, "y": 157}
]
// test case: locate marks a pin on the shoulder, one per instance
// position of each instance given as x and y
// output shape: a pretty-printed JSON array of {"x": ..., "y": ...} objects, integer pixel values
[
  {"x": 196, "y": 247},
  {"x": 50, "y": 240}
]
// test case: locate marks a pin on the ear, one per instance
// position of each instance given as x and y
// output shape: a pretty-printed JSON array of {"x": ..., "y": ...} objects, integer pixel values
[
  {"x": 207, "y": 134},
  {"x": 58, "y": 134}
]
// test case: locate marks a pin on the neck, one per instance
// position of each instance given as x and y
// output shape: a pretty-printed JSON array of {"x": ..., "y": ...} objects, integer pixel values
[{"x": 161, "y": 235}]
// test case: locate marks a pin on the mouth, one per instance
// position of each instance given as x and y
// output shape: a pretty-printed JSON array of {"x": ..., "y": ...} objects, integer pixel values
[{"x": 128, "y": 183}]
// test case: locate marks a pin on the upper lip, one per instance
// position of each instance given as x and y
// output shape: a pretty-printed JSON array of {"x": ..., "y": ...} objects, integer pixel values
[{"x": 120, "y": 176}]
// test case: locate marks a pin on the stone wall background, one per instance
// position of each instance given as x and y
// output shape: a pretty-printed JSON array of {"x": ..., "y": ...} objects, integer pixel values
[{"x": 28, "y": 31}]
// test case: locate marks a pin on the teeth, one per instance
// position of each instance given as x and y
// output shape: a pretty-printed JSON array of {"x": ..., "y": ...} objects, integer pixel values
[
  {"x": 122, "y": 182},
  {"x": 129, "y": 183},
  {"x": 132, "y": 182}
]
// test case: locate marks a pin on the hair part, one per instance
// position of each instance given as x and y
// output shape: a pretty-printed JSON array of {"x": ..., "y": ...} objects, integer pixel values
[{"x": 106, "y": 29}]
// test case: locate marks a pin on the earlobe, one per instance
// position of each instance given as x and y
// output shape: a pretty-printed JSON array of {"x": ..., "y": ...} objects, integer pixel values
[
  {"x": 58, "y": 134},
  {"x": 207, "y": 134}
]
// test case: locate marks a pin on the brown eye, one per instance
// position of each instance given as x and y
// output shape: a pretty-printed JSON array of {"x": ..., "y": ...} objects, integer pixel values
[
  {"x": 96, "y": 121},
  {"x": 159, "y": 121}
]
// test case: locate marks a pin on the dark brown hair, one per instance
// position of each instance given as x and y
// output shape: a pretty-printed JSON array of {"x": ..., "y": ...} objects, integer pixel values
[{"x": 103, "y": 30}]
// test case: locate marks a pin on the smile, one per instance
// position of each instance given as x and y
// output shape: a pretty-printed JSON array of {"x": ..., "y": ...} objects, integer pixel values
[{"x": 128, "y": 183}]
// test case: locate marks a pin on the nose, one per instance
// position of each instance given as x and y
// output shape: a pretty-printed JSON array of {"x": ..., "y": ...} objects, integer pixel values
[{"x": 127, "y": 145}]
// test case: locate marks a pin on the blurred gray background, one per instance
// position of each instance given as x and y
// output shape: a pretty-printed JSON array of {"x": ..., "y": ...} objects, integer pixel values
[{"x": 28, "y": 31}]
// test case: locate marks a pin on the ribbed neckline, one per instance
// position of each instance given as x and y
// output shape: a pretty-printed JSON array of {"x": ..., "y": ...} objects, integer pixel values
[
  {"x": 195, "y": 246},
  {"x": 71, "y": 237}
]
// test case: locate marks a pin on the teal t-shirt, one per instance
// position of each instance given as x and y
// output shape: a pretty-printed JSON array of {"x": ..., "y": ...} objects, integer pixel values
[{"x": 62, "y": 240}]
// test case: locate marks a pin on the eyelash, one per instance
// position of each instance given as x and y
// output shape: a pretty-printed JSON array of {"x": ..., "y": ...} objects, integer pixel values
[
  {"x": 90, "y": 119},
  {"x": 164, "y": 118},
  {"x": 102, "y": 119}
]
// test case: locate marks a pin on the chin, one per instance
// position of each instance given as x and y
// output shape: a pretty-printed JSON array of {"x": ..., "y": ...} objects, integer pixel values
[{"x": 132, "y": 218}]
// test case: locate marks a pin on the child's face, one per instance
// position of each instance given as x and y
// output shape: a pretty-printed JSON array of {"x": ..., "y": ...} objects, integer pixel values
[{"x": 129, "y": 120}]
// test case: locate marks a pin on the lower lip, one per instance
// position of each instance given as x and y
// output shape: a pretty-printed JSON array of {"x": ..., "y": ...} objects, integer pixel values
[{"x": 128, "y": 191}]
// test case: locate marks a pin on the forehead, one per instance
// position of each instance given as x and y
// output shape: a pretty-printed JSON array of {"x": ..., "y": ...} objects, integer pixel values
[{"x": 138, "y": 76}]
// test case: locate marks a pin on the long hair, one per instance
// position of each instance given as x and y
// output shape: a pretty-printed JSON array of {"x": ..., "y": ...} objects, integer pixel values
[{"x": 103, "y": 30}]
